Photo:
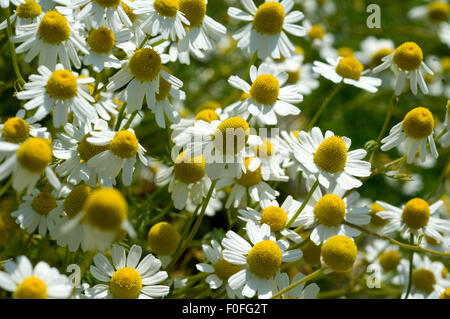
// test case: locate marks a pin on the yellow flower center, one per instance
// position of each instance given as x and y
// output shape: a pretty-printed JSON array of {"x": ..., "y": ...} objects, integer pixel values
[
  {"x": 293, "y": 76},
  {"x": 163, "y": 239},
  {"x": 62, "y": 85},
  {"x": 408, "y": 56},
  {"x": 225, "y": 270},
  {"x": 129, "y": 11},
  {"x": 74, "y": 202},
  {"x": 249, "y": 178},
  {"x": 189, "y": 170},
  {"x": 194, "y": 11},
  {"x": 275, "y": 217},
  {"x": 438, "y": 11},
  {"x": 101, "y": 40},
  {"x": 35, "y": 154},
  {"x": 445, "y": 294},
  {"x": 376, "y": 221},
  {"x": 31, "y": 288},
  {"x": 316, "y": 32},
  {"x": 167, "y": 8},
  {"x": 331, "y": 155},
  {"x": 207, "y": 115},
  {"x": 106, "y": 209},
  {"x": 15, "y": 130},
  {"x": 43, "y": 203},
  {"x": 269, "y": 18},
  {"x": 124, "y": 144},
  {"x": 126, "y": 283},
  {"x": 349, "y": 68},
  {"x": 145, "y": 64},
  {"x": 339, "y": 253},
  {"x": 54, "y": 28},
  {"x": 87, "y": 150},
  {"x": 380, "y": 54},
  {"x": 445, "y": 62},
  {"x": 164, "y": 86},
  {"x": 423, "y": 279},
  {"x": 265, "y": 89},
  {"x": 234, "y": 129},
  {"x": 264, "y": 259},
  {"x": 107, "y": 3},
  {"x": 265, "y": 149},
  {"x": 210, "y": 105},
  {"x": 345, "y": 52},
  {"x": 418, "y": 123},
  {"x": 29, "y": 9},
  {"x": 416, "y": 213},
  {"x": 389, "y": 260},
  {"x": 330, "y": 210},
  {"x": 431, "y": 241}
]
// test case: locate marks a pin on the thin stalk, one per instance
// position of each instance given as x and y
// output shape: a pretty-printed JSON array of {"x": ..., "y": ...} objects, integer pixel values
[
  {"x": 12, "y": 50},
  {"x": 311, "y": 276},
  {"x": 408, "y": 290},
  {"x": 250, "y": 63},
  {"x": 323, "y": 106},
  {"x": 308, "y": 197},
  {"x": 120, "y": 116}
]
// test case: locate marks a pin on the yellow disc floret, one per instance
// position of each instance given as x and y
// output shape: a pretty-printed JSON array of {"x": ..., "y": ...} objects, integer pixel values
[
  {"x": 35, "y": 154},
  {"x": 106, "y": 209},
  {"x": 234, "y": 129},
  {"x": 339, "y": 253},
  {"x": 249, "y": 178},
  {"x": 275, "y": 217},
  {"x": 265, "y": 149},
  {"x": 207, "y": 115},
  {"x": 349, "y": 68},
  {"x": 408, "y": 56},
  {"x": 269, "y": 18},
  {"x": 126, "y": 283},
  {"x": 30, "y": 9},
  {"x": 438, "y": 11},
  {"x": 264, "y": 259},
  {"x": 164, "y": 86},
  {"x": 293, "y": 76},
  {"x": 54, "y": 28},
  {"x": 389, "y": 260},
  {"x": 43, "y": 203},
  {"x": 331, "y": 155},
  {"x": 163, "y": 239},
  {"x": 194, "y": 11},
  {"x": 224, "y": 270},
  {"x": 167, "y": 8},
  {"x": 189, "y": 170},
  {"x": 445, "y": 294},
  {"x": 418, "y": 123},
  {"x": 423, "y": 279},
  {"x": 31, "y": 288},
  {"x": 316, "y": 32},
  {"x": 345, "y": 52},
  {"x": 124, "y": 144},
  {"x": 129, "y": 11},
  {"x": 87, "y": 150},
  {"x": 108, "y": 3},
  {"x": 15, "y": 130},
  {"x": 330, "y": 210},
  {"x": 74, "y": 202},
  {"x": 376, "y": 221},
  {"x": 62, "y": 85},
  {"x": 209, "y": 105},
  {"x": 379, "y": 55},
  {"x": 416, "y": 213},
  {"x": 265, "y": 89},
  {"x": 145, "y": 64},
  {"x": 101, "y": 40}
]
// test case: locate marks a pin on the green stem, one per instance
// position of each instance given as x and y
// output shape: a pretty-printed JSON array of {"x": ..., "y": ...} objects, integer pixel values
[
  {"x": 120, "y": 116},
  {"x": 438, "y": 183},
  {"x": 250, "y": 63},
  {"x": 133, "y": 115},
  {"x": 323, "y": 106},
  {"x": 411, "y": 264},
  {"x": 311, "y": 276},
  {"x": 6, "y": 187},
  {"x": 13, "y": 53},
  {"x": 308, "y": 197}
]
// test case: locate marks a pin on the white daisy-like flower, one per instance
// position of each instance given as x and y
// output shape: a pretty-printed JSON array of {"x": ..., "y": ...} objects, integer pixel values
[
  {"x": 219, "y": 269},
  {"x": 406, "y": 62},
  {"x": 416, "y": 217},
  {"x": 373, "y": 50},
  {"x": 348, "y": 70},
  {"x": 434, "y": 12},
  {"x": 268, "y": 95},
  {"x": 318, "y": 7},
  {"x": 438, "y": 84},
  {"x": 61, "y": 91},
  {"x": 260, "y": 260},
  {"x": 40, "y": 282},
  {"x": 129, "y": 277},
  {"x": 321, "y": 40},
  {"x": 327, "y": 214},
  {"x": 445, "y": 139},
  {"x": 383, "y": 259},
  {"x": 265, "y": 32},
  {"x": 329, "y": 160},
  {"x": 105, "y": 104},
  {"x": 415, "y": 131},
  {"x": 27, "y": 12},
  {"x": 444, "y": 33},
  {"x": 299, "y": 292},
  {"x": 214, "y": 206}
]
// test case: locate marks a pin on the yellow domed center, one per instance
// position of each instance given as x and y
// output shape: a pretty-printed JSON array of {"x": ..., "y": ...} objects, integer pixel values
[
  {"x": 423, "y": 280},
  {"x": 163, "y": 239},
  {"x": 316, "y": 32},
  {"x": 108, "y": 3},
  {"x": 164, "y": 87},
  {"x": 379, "y": 55},
  {"x": 43, "y": 203},
  {"x": 126, "y": 283},
  {"x": 189, "y": 170},
  {"x": 234, "y": 129},
  {"x": 106, "y": 209},
  {"x": 331, "y": 155},
  {"x": 194, "y": 11},
  {"x": 129, "y": 11},
  {"x": 101, "y": 40},
  {"x": 15, "y": 130},
  {"x": 29, "y": 9},
  {"x": 224, "y": 270},
  {"x": 445, "y": 63},
  {"x": 145, "y": 64},
  {"x": 167, "y": 8},
  {"x": 408, "y": 56},
  {"x": 349, "y": 68},
  {"x": 269, "y": 18},
  {"x": 330, "y": 210},
  {"x": 35, "y": 154},
  {"x": 389, "y": 260},
  {"x": 265, "y": 149},
  {"x": 418, "y": 123},
  {"x": 438, "y": 11},
  {"x": 31, "y": 288},
  {"x": 293, "y": 76},
  {"x": 74, "y": 202},
  {"x": 54, "y": 28},
  {"x": 376, "y": 221},
  {"x": 209, "y": 105},
  {"x": 62, "y": 85},
  {"x": 264, "y": 259},
  {"x": 345, "y": 52},
  {"x": 416, "y": 213},
  {"x": 339, "y": 253},
  {"x": 265, "y": 89},
  {"x": 275, "y": 217},
  {"x": 87, "y": 150},
  {"x": 249, "y": 179},
  {"x": 445, "y": 294},
  {"x": 124, "y": 144},
  {"x": 207, "y": 115}
]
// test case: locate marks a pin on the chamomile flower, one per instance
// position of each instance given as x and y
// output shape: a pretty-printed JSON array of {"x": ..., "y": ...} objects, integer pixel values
[
  {"x": 265, "y": 34},
  {"x": 415, "y": 131},
  {"x": 444, "y": 33},
  {"x": 373, "y": 50},
  {"x": 268, "y": 95},
  {"x": 438, "y": 83},
  {"x": 128, "y": 277},
  {"x": 383, "y": 257},
  {"x": 434, "y": 12},
  {"x": 39, "y": 282},
  {"x": 105, "y": 104},
  {"x": 27, "y": 12},
  {"x": 318, "y": 7},
  {"x": 219, "y": 269},
  {"x": 348, "y": 70},
  {"x": 300, "y": 292},
  {"x": 260, "y": 260},
  {"x": 60, "y": 90},
  {"x": 406, "y": 62},
  {"x": 445, "y": 139},
  {"x": 321, "y": 40}
]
